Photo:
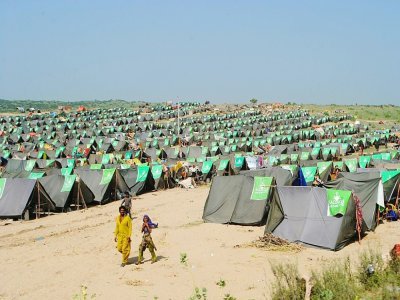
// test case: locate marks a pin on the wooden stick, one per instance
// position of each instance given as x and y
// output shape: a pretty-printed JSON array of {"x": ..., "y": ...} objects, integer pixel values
[
  {"x": 77, "y": 198},
  {"x": 398, "y": 195},
  {"x": 38, "y": 190},
  {"x": 116, "y": 185},
  {"x": 82, "y": 199}
]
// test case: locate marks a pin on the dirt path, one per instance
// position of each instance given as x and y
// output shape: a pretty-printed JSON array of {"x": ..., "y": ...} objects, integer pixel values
[{"x": 52, "y": 257}]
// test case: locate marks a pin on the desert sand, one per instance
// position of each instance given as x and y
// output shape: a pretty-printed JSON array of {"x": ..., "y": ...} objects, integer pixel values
[{"x": 52, "y": 257}]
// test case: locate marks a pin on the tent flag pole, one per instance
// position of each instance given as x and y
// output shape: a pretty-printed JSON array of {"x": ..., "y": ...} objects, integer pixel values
[
  {"x": 82, "y": 199},
  {"x": 38, "y": 191},
  {"x": 77, "y": 198},
  {"x": 116, "y": 185},
  {"x": 398, "y": 195}
]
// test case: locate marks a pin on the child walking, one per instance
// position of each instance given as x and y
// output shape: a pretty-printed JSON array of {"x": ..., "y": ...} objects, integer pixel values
[{"x": 147, "y": 241}]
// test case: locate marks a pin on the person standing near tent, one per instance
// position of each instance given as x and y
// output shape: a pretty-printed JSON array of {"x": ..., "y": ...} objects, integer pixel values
[
  {"x": 3, "y": 163},
  {"x": 147, "y": 241},
  {"x": 127, "y": 203},
  {"x": 123, "y": 231}
]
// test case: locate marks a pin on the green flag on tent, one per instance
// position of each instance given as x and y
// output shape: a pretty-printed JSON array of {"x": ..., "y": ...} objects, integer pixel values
[
  {"x": 105, "y": 159},
  {"x": 294, "y": 157},
  {"x": 200, "y": 159},
  {"x": 272, "y": 160},
  {"x": 2, "y": 185},
  {"x": 323, "y": 165},
  {"x": 69, "y": 181},
  {"x": 304, "y": 155},
  {"x": 29, "y": 165},
  {"x": 338, "y": 164},
  {"x": 206, "y": 167},
  {"x": 387, "y": 175},
  {"x": 71, "y": 162},
  {"x": 291, "y": 168},
  {"x": 309, "y": 173},
  {"x": 35, "y": 175},
  {"x": 107, "y": 176},
  {"x": 40, "y": 154},
  {"x": 95, "y": 166},
  {"x": 143, "y": 170},
  {"x": 261, "y": 188},
  {"x": 377, "y": 156},
  {"x": 125, "y": 166},
  {"x": 364, "y": 161},
  {"x": 223, "y": 164},
  {"x": 156, "y": 171},
  {"x": 49, "y": 162},
  {"x": 315, "y": 151},
  {"x": 66, "y": 171},
  {"x": 337, "y": 201},
  {"x": 239, "y": 160},
  {"x": 351, "y": 164}
]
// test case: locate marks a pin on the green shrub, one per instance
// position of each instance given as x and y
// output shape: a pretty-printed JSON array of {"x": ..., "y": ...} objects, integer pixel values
[
  {"x": 83, "y": 294},
  {"x": 374, "y": 259},
  {"x": 199, "y": 294},
  {"x": 183, "y": 259},
  {"x": 288, "y": 283},
  {"x": 335, "y": 281}
]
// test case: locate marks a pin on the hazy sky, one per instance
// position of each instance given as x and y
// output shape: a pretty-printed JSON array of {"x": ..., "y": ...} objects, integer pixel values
[{"x": 223, "y": 51}]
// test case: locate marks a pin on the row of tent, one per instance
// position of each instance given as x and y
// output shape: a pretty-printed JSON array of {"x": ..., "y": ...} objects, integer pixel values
[
  {"x": 39, "y": 193},
  {"x": 291, "y": 209}
]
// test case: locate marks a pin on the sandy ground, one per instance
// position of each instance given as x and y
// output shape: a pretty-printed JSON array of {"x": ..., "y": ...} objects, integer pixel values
[{"x": 52, "y": 257}]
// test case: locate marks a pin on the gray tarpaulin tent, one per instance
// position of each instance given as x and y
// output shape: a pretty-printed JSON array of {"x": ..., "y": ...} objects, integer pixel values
[
  {"x": 19, "y": 197},
  {"x": 63, "y": 190},
  {"x": 299, "y": 214},
  {"x": 139, "y": 180},
  {"x": 366, "y": 187},
  {"x": 17, "y": 166},
  {"x": 231, "y": 200},
  {"x": 282, "y": 177},
  {"x": 104, "y": 183},
  {"x": 161, "y": 179}
]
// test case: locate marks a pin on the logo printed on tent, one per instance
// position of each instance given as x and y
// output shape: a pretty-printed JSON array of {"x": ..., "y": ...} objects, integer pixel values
[
  {"x": 387, "y": 175},
  {"x": 156, "y": 170},
  {"x": 337, "y": 201},
  {"x": 206, "y": 167},
  {"x": 29, "y": 165},
  {"x": 107, "y": 176},
  {"x": 364, "y": 161},
  {"x": 322, "y": 166},
  {"x": 351, "y": 164},
  {"x": 66, "y": 171},
  {"x": 142, "y": 173},
  {"x": 36, "y": 175},
  {"x": 223, "y": 164},
  {"x": 69, "y": 181},
  {"x": 239, "y": 160},
  {"x": 71, "y": 162},
  {"x": 309, "y": 173},
  {"x": 261, "y": 188}
]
